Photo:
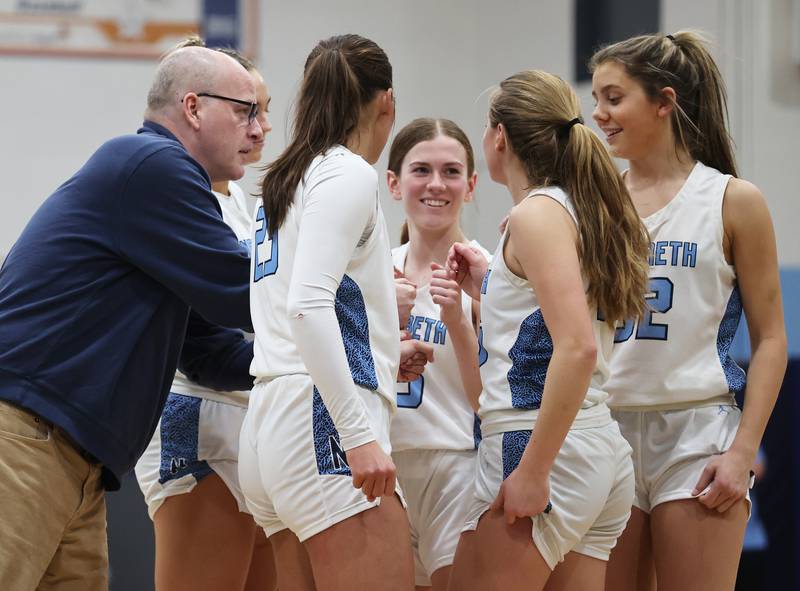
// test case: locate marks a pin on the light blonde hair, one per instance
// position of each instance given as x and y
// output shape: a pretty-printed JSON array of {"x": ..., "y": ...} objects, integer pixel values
[{"x": 540, "y": 113}]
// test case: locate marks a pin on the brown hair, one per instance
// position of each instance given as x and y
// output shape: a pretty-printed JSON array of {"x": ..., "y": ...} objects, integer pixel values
[
  {"x": 681, "y": 61},
  {"x": 424, "y": 129},
  {"x": 539, "y": 112},
  {"x": 342, "y": 74}
]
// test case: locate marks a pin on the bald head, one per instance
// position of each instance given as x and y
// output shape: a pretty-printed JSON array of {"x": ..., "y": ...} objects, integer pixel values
[{"x": 188, "y": 69}]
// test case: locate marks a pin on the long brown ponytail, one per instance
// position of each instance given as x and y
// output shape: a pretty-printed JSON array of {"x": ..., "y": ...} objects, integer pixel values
[
  {"x": 681, "y": 61},
  {"x": 539, "y": 113},
  {"x": 342, "y": 74}
]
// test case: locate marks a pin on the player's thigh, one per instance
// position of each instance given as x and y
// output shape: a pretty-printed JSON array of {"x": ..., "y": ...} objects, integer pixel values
[
  {"x": 578, "y": 571},
  {"x": 202, "y": 539},
  {"x": 291, "y": 560},
  {"x": 498, "y": 556},
  {"x": 440, "y": 578},
  {"x": 261, "y": 575},
  {"x": 695, "y": 548},
  {"x": 630, "y": 567},
  {"x": 369, "y": 550}
]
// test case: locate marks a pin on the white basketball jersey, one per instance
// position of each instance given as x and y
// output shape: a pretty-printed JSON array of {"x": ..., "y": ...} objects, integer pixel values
[
  {"x": 678, "y": 353},
  {"x": 365, "y": 301},
  {"x": 235, "y": 213},
  {"x": 433, "y": 411},
  {"x": 519, "y": 346}
]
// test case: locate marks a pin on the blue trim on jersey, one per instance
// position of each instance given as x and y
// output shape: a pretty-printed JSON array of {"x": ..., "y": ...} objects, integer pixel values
[
  {"x": 485, "y": 282},
  {"x": 514, "y": 443},
  {"x": 179, "y": 435},
  {"x": 331, "y": 458},
  {"x": 530, "y": 357},
  {"x": 727, "y": 330},
  {"x": 477, "y": 436},
  {"x": 352, "y": 316}
]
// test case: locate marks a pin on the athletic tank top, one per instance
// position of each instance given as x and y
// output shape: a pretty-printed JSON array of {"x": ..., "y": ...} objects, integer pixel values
[
  {"x": 519, "y": 346},
  {"x": 678, "y": 353},
  {"x": 235, "y": 213},
  {"x": 433, "y": 411}
]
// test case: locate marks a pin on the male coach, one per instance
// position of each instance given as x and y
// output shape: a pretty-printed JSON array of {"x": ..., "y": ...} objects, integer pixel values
[{"x": 94, "y": 301}]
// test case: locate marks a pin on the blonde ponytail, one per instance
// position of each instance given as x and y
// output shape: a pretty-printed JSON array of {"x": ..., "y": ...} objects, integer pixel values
[{"x": 540, "y": 114}]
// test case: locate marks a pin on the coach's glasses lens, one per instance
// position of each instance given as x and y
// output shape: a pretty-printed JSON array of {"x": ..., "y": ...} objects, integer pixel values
[{"x": 251, "y": 115}]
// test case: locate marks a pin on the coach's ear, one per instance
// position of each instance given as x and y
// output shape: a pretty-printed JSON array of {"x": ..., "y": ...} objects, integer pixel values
[{"x": 189, "y": 110}]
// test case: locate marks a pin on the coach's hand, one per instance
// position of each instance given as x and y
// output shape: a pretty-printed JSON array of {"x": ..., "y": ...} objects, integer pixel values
[
  {"x": 373, "y": 470},
  {"x": 523, "y": 495}
]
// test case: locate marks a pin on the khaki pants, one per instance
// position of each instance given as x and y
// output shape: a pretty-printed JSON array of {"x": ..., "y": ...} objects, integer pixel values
[{"x": 52, "y": 509}]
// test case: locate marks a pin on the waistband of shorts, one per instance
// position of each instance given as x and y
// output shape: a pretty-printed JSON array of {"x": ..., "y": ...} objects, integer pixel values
[
  {"x": 264, "y": 382},
  {"x": 502, "y": 421},
  {"x": 724, "y": 400}
]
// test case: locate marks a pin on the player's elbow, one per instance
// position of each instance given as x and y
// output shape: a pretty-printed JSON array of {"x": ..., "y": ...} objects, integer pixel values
[
  {"x": 581, "y": 352},
  {"x": 300, "y": 305}
]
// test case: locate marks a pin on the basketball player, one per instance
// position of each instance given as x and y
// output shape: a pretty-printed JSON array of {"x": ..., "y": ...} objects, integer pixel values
[
  {"x": 182, "y": 477},
  {"x": 314, "y": 450},
  {"x": 554, "y": 479},
  {"x": 434, "y": 433},
  {"x": 661, "y": 103}
]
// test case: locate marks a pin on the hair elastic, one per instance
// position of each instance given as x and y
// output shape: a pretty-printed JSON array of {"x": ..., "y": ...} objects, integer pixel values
[
  {"x": 670, "y": 37},
  {"x": 567, "y": 126}
]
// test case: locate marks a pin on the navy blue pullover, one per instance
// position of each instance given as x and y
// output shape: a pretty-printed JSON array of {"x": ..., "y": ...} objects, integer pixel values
[{"x": 95, "y": 295}]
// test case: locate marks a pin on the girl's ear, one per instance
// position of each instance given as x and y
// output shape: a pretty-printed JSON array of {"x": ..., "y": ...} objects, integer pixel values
[
  {"x": 471, "y": 181},
  {"x": 394, "y": 185},
  {"x": 667, "y": 102},
  {"x": 388, "y": 102},
  {"x": 500, "y": 141}
]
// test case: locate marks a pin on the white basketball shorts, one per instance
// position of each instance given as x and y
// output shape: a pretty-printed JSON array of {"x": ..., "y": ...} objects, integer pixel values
[
  {"x": 194, "y": 438},
  {"x": 293, "y": 471},
  {"x": 437, "y": 485},
  {"x": 591, "y": 486},
  {"x": 672, "y": 447}
]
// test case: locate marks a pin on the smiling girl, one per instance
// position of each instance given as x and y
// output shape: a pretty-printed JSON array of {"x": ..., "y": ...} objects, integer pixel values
[
  {"x": 661, "y": 103},
  {"x": 434, "y": 433}
]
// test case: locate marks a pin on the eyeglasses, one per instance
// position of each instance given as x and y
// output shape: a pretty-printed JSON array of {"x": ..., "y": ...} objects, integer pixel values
[{"x": 251, "y": 115}]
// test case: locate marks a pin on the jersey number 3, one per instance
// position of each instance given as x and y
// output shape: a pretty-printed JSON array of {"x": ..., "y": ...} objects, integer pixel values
[
  {"x": 412, "y": 398},
  {"x": 264, "y": 267}
]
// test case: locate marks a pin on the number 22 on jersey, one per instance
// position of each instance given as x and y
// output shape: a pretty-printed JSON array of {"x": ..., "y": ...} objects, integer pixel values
[{"x": 659, "y": 301}]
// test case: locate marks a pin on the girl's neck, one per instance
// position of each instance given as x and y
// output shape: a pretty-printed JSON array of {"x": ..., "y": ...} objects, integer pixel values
[
  {"x": 221, "y": 187},
  {"x": 517, "y": 181},
  {"x": 426, "y": 247},
  {"x": 663, "y": 163}
]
